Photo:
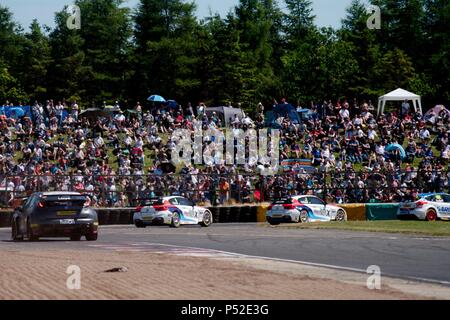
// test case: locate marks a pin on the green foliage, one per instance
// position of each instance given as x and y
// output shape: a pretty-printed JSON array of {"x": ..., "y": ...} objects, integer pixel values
[{"x": 256, "y": 53}]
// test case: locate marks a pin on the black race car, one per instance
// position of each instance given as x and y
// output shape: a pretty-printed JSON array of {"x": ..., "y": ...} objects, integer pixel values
[{"x": 55, "y": 214}]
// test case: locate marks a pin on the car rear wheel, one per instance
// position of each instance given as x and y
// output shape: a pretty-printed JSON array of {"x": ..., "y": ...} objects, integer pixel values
[
  {"x": 273, "y": 223},
  {"x": 431, "y": 215},
  {"x": 92, "y": 237},
  {"x": 30, "y": 235},
  {"x": 341, "y": 216},
  {"x": 175, "y": 221},
  {"x": 139, "y": 224},
  {"x": 207, "y": 219},
  {"x": 15, "y": 232},
  {"x": 76, "y": 237},
  {"x": 304, "y": 216}
]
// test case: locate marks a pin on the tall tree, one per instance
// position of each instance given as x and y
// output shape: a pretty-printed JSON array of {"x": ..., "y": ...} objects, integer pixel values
[
  {"x": 67, "y": 74},
  {"x": 35, "y": 62},
  {"x": 299, "y": 19},
  {"x": 11, "y": 52},
  {"x": 166, "y": 53},
  {"x": 256, "y": 21},
  {"x": 106, "y": 31},
  {"x": 437, "y": 50}
]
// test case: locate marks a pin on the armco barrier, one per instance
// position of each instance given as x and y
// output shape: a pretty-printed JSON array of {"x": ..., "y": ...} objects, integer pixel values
[
  {"x": 381, "y": 211},
  {"x": 355, "y": 212}
]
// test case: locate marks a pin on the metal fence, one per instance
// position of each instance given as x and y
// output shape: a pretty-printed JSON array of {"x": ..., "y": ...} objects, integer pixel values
[{"x": 216, "y": 189}]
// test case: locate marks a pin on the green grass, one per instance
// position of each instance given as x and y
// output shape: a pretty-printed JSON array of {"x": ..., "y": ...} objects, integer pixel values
[{"x": 438, "y": 228}]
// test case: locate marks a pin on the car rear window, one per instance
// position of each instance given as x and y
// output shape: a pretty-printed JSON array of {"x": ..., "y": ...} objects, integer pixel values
[
  {"x": 283, "y": 201},
  {"x": 158, "y": 202}
]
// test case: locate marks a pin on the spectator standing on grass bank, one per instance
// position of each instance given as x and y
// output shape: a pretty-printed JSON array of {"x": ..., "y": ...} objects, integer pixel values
[
  {"x": 75, "y": 109},
  {"x": 405, "y": 108}
]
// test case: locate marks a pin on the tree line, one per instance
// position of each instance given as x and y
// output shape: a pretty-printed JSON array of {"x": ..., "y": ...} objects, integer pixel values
[{"x": 255, "y": 53}]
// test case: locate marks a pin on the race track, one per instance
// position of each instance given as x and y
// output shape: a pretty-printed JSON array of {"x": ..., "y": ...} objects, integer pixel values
[{"x": 403, "y": 256}]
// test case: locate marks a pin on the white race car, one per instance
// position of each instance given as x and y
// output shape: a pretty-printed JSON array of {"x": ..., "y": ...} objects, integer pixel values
[
  {"x": 173, "y": 211},
  {"x": 429, "y": 206},
  {"x": 304, "y": 209}
]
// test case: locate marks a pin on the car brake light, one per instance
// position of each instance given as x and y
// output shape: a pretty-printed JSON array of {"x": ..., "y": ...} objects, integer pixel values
[
  {"x": 163, "y": 207},
  {"x": 41, "y": 204},
  {"x": 138, "y": 209},
  {"x": 421, "y": 203},
  {"x": 270, "y": 207},
  {"x": 288, "y": 206}
]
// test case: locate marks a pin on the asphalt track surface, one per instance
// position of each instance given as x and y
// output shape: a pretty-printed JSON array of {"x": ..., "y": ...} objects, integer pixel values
[{"x": 403, "y": 256}]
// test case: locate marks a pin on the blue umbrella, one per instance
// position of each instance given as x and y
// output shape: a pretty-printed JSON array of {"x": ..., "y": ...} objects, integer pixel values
[
  {"x": 396, "y": 146},
  {"x": 18, "y": 112},
  {"x": 156, "y": 98},
  {"x": 172, "y": 104}
]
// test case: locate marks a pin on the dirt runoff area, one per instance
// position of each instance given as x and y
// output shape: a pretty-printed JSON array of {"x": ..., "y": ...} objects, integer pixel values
[{"x": 42, "y": 275}]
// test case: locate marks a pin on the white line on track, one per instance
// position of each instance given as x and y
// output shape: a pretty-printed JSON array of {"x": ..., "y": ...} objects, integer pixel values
[{"x": 313, "y": 264}]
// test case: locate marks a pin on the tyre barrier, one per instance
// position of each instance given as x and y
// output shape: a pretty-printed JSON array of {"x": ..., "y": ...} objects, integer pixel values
[
  {"x": 246, "y": 214},
  {"x": 355, "y": 212},
  {"x": 224, "y": 214},
  {"x": 261, "y": 213},
  {"x": 215, "y": 213},
  {"x": 5, "y": 219},
  {"x": 235, "y": 214},
  {"x": 103, "y": 217},
  {"x": 126, "y": 216},
  {"x": 114, "y": 217},
  {"x": 253, "y": 214},
  {"x": 381, "y": 211}
]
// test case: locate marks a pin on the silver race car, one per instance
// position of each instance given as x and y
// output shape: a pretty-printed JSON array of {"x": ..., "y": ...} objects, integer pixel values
[
  {"x": 428, "y": 206},
  {"x": 173, "y": 211}
]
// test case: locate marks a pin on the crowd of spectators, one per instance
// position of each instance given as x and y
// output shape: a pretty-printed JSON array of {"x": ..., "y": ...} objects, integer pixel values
[{"x": 121, "y": 158}]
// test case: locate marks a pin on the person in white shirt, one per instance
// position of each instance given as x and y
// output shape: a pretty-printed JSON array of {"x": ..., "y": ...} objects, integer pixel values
[
  {"x": 59, "y": 108},
  {"x": 379, "y": 149},
  {"x": 75, "y": 110},
  {"x": 344, "y": 113},
  {"x": 360, "y": 133},
  {"x": 99, "y": 142},
  {"x": 372, "y": 134},
  {"x": 128, "y": 141},
  {"x": 424, "y": 134}
]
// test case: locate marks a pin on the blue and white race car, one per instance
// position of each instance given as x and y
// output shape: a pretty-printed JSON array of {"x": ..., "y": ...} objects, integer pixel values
[
  {"x": 428, "y": 206},
  {"x": 173, "y": 211},
  {"x": 303, "y": 209}
]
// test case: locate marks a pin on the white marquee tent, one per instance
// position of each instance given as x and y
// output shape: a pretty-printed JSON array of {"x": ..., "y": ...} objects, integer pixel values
[{"x": 400, "y": 95}]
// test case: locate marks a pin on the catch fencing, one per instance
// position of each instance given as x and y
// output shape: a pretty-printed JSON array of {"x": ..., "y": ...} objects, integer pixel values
[{"x": 343, "y": 187}]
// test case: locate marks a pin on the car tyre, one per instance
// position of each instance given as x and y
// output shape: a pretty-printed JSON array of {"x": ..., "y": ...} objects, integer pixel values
[
  {"x": 139, "y": 224},
  {"x": 15, "y": 232},
  {"x": 304, "y": 216},
  {"x": 175, "y": 220},
  {"x": 76, "y": 237},
  {"x": 30, "y": 236},
  {"x": 431, "y": 215},
  {"x": 341, "y": 216},
  {"x": 207, "y": 219},
  {"x": 92, "y": 236},
  {"x": 272, "y": 222}
]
